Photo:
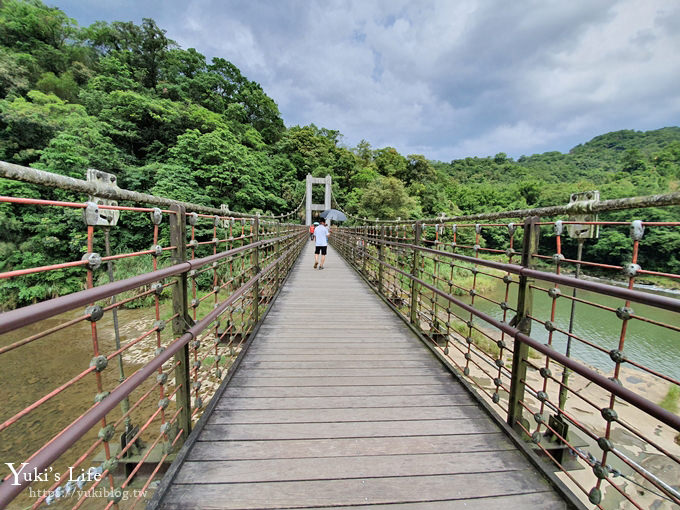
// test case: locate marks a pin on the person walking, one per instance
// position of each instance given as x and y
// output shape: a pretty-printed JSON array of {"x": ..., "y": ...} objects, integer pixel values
[
  {"x": 311, "y": 232},
  {"x": 321, "y": 234}
]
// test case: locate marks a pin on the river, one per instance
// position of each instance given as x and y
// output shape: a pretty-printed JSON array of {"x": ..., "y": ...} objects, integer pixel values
[{"x": 653, "y": 346}]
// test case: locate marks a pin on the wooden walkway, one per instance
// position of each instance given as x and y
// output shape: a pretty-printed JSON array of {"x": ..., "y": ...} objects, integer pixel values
[{"x": 337, "y": 403}]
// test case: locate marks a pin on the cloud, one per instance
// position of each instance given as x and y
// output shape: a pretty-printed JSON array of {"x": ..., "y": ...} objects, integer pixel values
[{"x": 441, "y": 78}]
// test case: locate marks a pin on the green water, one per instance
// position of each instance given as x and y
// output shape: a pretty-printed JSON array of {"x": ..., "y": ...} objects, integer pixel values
[{"x": 655, "y": 347}]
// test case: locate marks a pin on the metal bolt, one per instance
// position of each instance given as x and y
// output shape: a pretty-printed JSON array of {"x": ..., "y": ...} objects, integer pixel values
[
  {"x": 95, "y": 313},
  {"x": 156, "y": 216},
  {"x": 624, "y": 313},
  {"x": 106, "y": 433},
  {"x": 637, "y": 230},
  {"x": 94, "y": 260},
  {"x": 110, "y": 464},
  {"x": 595, "y": 496},
  {"x": 99, "y": 363},
  {"x": 605, "y": 444},
  {"x": 631, "y": 270},
  {"x": 601, "y": 471},
  {"x": 609, "y": 414},
  {"x": 101, "y": 396},
  {"x": 617, "y": 356}
]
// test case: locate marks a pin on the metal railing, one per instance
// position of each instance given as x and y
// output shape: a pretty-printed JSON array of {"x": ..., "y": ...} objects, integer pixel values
[
  {"x": 513, "y": 317},
  {"x": 150, "y": 370}
]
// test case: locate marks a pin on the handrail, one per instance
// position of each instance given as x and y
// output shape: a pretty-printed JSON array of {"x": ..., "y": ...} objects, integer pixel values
[
  {"x": 645, "y": 298},
  {"x": 646, "y": 405},
  {"x": 40, "y": 460},
  {"x": 19, "y": 317},
  {"x": 522, "y": 375},
  {"x": 589, "y": 207},
  {"x": 41, "y": 177}
]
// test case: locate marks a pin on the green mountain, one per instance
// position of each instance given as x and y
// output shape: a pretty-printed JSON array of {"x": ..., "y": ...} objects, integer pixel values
[{"x": 125, "y": 98}]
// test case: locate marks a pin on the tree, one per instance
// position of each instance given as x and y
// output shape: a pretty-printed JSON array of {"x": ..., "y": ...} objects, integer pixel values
[
  {"x": 44, "y": 32},
  {"x": 632, "y": 161},
  {"x": 386, "y": 198}
]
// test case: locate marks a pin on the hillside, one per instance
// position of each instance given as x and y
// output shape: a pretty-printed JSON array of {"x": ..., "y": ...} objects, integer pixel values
[{"x": 125, "y": 98}]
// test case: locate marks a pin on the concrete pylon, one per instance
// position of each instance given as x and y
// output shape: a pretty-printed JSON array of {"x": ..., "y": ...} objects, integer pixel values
[{"x": 309, "y": 206}]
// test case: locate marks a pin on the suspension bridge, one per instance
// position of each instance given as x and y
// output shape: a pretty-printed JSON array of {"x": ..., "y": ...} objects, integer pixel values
[{"x": 418, "y": 370}]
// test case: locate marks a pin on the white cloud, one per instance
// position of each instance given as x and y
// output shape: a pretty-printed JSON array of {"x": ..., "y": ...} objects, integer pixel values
[{"x": 446, "y": 79}]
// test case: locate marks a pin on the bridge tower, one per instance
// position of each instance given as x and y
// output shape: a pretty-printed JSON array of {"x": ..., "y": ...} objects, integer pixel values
[{"x": 309, "y": 206}]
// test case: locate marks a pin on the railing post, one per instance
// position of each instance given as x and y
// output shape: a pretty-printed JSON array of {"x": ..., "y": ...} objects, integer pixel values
[
  {"x": 522, "y": 321},
  {"x": 381, "y": 258},
  {"x": 414, "y": 271},
  {"x": 256, "y": 266},
  {"x": 178, "y": 239}
]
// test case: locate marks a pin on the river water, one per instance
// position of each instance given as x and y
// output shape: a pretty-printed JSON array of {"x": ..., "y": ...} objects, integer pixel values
[
  {"x": 35, "y": 369},
  {"x": 653, "y": 346}
]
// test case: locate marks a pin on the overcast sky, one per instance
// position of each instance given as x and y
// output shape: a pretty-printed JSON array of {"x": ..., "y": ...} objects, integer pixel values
[{"x": 446, "y": 79}]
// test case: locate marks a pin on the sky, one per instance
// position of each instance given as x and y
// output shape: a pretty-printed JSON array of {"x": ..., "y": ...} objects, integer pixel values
[{"x": 444, "y": 78}]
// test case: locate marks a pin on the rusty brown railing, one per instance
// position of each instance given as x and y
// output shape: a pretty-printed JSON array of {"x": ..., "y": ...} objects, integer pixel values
[
  {"x": 504, "y": 307},
  {"x": 151, "y": 370}
]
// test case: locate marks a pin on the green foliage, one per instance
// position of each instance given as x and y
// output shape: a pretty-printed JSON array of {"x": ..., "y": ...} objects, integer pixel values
[
  {"x": 125, "y": 98},
  {"x": 672, "y": 399},
  {"x": 387, "y": 198}
]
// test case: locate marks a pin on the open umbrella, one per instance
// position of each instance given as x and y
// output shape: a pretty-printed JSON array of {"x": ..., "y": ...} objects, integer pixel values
[{"x": 334, "y": 215}]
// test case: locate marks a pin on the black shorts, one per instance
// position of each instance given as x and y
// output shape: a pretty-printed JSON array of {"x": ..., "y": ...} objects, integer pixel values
[{"x": 321, "y": 250}]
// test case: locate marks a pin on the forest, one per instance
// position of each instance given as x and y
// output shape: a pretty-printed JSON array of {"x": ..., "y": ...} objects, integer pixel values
[{"x": 126, "y": 99}]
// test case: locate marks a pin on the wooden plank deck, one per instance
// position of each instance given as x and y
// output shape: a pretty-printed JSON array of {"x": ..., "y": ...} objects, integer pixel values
[{"x": 337, "y": 403}]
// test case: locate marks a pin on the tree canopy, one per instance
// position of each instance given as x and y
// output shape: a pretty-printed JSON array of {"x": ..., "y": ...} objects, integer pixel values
[{"x": 126, "y": 99}]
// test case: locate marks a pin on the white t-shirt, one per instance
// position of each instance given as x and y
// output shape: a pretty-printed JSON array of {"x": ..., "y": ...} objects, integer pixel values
[{"x": 321, "y": 234}]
